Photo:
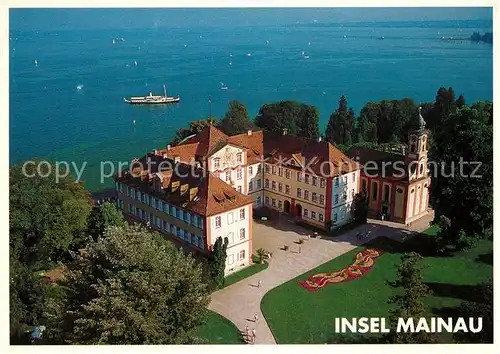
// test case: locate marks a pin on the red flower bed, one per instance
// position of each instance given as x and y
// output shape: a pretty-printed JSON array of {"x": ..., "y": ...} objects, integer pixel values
[{"x": 363, "y": 262}]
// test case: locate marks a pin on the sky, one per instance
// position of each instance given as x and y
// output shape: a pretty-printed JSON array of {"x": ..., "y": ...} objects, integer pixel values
[{"x": 96, "y": 19}]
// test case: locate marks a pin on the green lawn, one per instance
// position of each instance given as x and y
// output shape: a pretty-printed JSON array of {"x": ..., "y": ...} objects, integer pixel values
[
  {"x": 296, "y": 315},
  {"x": 219, "y": 330}
]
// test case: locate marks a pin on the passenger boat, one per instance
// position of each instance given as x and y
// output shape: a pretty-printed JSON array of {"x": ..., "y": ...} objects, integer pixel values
[{"x": 153, "y": 99}]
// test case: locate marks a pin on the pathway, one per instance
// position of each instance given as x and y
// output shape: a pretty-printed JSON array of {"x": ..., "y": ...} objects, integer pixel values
[{"x": 241, "y": 301}]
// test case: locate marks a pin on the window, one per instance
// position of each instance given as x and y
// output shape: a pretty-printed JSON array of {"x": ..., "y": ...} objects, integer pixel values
[
  {"x": 242, "y": 255},
  {"x": 267, "y": 200},
  {"x": 230, "y": 218},
  {"x": 239, "y": 157},
  {"x": 228, "y": 175},
  {"x": 179, "y": 233},
  {"x": 363, "y": 186},
  {"x": 307, "y": 178},
  {"x": 250, "y": 169},
  {"x": 306, "y": 213},
  {"x": 335, "y": 217},
  {"x": 421, "y": 168},
  {"x": 274, "y": 185},
  {"x": 345, "y": 179},
  {"x": 315, "y": 181},
  {"x": 259, "y": 169},
  {"x": 287, "y": 189},
  {"x": 165, "y": 225},
  {"x": 217, "y": 162},
  {"x": 274, "y": 170},
  {"x": 313, "y": 215},
  {"x": 250, "y": 185},
  {"x": 336, "y": 199},
  {"x": 344, "y": 196},
  {"x": 280, "y": 172},
  {"x": 322, "y": 183},
  {"x": 386, "y": 193},
  {"x": 153, "y": 203},
  {"x": 352, "y": 193},
  {"x": 274, "y": 202},
  {"x": 266, "y": 183},
  {"x": 165, "y": 208},
  {"x": 343, "y": 214},
  {"x": 230, "y": 259},
  {"x": 242, "y": 214},
  {"x": 354, "y": 177},
  {"x": 230, "y": 237},
  {"x": 299, "y": 193},
  {"x": 242, "y": 234},
  {"x": 158, "y": 222},
  {"x": 217, "y": 222},
  {"x": 238, "y": 173},
  {"x": 258, "y": 201},
  {"x": 159, "y": 205},
  {"x": 280, "y": 187},
  {"x": 179, "y": 214},
  {"x": 267, "y": 168},
  {"x": 259, "y": 184},
  {"x": 321, "y": 199},
  {"x": 138, "y": 196},
  {"x": 320, "y": 217},
  {"x": 314, "y": 197},
  {"x": 287, "y": 173},
  {"x": 374, "y": 190},
  {"x": 280, "y": 205},
  {"x": 306, "y": 195}
]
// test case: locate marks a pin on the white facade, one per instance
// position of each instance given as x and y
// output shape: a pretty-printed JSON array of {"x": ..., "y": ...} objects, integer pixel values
[
  {"x": 255, "y": 185},
  {"x": 236, "y": 226},
  {"x": 344, "y": 188},
  {"x": 229, "y": 165}
]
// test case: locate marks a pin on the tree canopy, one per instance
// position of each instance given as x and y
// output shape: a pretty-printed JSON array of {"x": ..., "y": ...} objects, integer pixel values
[
  {"x": 130, "y": 286},
  {"x": 462, "y": 187},
  {"x": 297, "y": 118},
  {"x": 236, "y": 120}
]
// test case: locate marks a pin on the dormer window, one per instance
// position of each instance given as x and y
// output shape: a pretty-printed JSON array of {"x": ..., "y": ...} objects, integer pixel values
[{"x": 217, "y": 162}]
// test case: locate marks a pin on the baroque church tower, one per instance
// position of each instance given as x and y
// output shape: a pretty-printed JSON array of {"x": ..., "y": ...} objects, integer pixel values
[{"x": 416, "y": 156}]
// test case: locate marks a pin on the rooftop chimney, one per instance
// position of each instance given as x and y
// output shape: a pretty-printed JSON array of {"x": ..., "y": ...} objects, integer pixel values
[
  {"x": 155, "y": 152},
  {"x": 285, "y": 131},
  {"x": 319, "y": 139},
  {"x": 249, "y": 131},
  {"x": 169, "y": 147},
  {"x": 177, "y": 159}
]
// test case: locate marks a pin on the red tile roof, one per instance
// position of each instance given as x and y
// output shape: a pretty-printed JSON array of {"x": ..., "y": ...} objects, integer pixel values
[{"x": 213, "y": 196}]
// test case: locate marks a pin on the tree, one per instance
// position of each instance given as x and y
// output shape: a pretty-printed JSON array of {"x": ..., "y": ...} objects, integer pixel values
[
  {"x": 194, "y": 128},
  {"x": 217, "y": 261},
  {"x": 482, "y": 308},
  {"x": 235, "y": 120},
  {"x": 103, "y": 216},
  {"x": 279, "y": 116},
  {"x": 47, "y": 220},
  {"x": 297, "y": 118},
  {"x": 341, "y": 121},
  {"x": 130, "y": 286},
  {"x": 360, "y": 208},
  {"x": 261, "y": 254},
  {"x": 409, "y": 302},
  {"x": 458, "y": 191},
  {"x": 307, "y": 125}
]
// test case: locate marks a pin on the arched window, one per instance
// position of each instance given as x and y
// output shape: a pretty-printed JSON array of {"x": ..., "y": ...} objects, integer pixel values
[{"x": 421, "y": 168}]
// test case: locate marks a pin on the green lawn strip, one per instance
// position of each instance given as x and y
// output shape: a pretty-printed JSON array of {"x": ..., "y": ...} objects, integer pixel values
[
  {"x": 296, "y": 315},
  {"x": 219, "y": 330},
  {"x": 245, "y": 273}
]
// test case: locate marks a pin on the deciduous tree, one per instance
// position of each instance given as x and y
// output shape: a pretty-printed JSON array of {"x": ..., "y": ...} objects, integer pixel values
[{"x": 131, "y": 286}]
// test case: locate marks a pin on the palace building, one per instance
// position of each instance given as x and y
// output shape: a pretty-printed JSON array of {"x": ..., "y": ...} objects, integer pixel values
[
  {"x": 397, "y": 185},
  {"x": 208, "y": 185}
]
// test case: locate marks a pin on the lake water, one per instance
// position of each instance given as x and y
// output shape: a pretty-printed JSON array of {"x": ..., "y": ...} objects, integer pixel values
[{"x": 70, "y": 106}]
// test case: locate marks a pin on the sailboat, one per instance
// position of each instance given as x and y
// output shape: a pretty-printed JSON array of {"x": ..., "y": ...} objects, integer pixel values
[{"x": 153, "y": 99}]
